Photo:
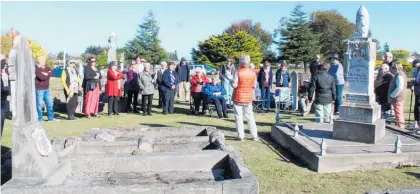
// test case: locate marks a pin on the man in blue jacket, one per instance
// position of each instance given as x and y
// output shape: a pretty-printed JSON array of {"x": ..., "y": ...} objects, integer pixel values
[
  {"x": 169, "y": 82},
  {"x": 265, "y": 80},
  {"x": 336, "y": 70},
  {"x": 216, "y": 93}
]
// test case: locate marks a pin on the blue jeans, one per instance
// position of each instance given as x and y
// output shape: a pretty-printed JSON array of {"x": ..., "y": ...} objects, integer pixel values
[
  {"x": 339, "y": 100},
  {"x": 44, "y": 96},
  {"x": 266, "y": 97},
  {"x": 229, "y": 91}
]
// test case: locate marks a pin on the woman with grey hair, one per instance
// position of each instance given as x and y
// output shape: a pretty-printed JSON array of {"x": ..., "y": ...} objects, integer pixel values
[
  {"x": 147, "y": 86},
  {"x": 113, "y": 88}
]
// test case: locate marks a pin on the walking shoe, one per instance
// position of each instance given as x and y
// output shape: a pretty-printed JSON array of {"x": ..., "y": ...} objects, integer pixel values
[
  {"x": 239, "y": 139},
  {"x": 256, "y": 139},
  {"x": 52, "y": 120},
  {"x": 337, "y": 113}
]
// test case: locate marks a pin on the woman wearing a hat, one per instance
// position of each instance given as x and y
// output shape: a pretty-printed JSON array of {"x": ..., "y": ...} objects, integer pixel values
[{"x": 336, "y": 70}]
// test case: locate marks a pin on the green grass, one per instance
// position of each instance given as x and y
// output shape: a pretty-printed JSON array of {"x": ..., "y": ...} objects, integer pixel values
[{"x": 277, "y": 171}]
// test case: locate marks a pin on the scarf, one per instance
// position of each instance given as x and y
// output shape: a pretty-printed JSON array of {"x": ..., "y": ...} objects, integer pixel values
[
  {"x": 74, "y": 84},
  {"x": 267, "y": 75}
]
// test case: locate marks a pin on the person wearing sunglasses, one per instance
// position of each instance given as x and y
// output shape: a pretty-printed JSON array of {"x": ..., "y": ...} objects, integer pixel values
[
  {"x": 70, "y": 78},
  {"x": 92, "y": 88}
]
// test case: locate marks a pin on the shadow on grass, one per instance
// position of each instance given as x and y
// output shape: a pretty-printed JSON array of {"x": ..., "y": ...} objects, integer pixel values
[
  {"x": 284, "y": 154},
  {"x": 6, "y": 165},
  {"x": 217, "y": 126},
  {"x": 153, "y": 125},
  {"x": 265, "y": 137},
  {"x": 414, "y": 174}
]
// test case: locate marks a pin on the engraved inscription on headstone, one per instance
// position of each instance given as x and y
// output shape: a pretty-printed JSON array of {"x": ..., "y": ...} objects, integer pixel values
[
  {"x": 43, "y": 145},
  {"x": 295, "y": 88},
  {"x": 357, "y": 98},
  {"x": 358, "y": 77}
]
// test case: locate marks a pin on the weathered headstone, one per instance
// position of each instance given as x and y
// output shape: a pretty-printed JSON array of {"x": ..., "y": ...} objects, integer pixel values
[
  {"x": 33, "y": 155},
  {"x": 295, "y": 87},
  {"x": 360, "y": 115}
]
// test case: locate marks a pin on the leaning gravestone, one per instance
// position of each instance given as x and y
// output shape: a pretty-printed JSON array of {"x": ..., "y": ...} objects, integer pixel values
[
  {"x": 360, "y": 115},
  {"x": 33, "y": 155},
  {"x": 295, "y": 87}
]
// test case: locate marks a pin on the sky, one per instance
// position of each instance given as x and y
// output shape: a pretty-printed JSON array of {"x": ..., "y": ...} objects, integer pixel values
[{"x": 73, "y": 26}]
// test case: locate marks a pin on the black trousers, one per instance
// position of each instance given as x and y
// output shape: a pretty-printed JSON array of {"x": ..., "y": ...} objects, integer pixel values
[
  {"x": 417, "y": 108},
  {"x": 168, "y": 104},
  {"x": 198, "y": 98},
  {"x": 113, "y": 104},
  {"x": 71, "y": 105},
  {"x": 147, "y": 108},
  {"x": 220, "y": 106},
  {"x": 132, "y": 94},
  {"x": 161, "y": 97}
]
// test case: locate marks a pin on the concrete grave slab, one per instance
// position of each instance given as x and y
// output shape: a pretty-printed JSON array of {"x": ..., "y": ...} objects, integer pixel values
[{"x": 345, "y": 155}]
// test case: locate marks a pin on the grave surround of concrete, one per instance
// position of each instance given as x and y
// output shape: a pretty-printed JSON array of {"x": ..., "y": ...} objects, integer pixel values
[
  {"x": 137, "y": 160},
  {"x": 182, "y": 160},
  {"x": 345, "y": 155}
]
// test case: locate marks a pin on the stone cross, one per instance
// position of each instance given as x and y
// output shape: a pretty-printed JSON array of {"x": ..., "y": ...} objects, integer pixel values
[{"x": 33, "y": 155}]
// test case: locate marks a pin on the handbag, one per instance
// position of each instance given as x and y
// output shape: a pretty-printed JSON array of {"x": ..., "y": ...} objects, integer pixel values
[{"x": 199, "y": 88}]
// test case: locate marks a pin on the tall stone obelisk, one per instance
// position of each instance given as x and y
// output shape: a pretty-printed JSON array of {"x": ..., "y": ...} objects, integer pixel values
[{"x": 360, "y": 115}]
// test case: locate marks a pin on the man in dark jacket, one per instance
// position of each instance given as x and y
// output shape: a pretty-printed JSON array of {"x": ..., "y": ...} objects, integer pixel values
[
  {"x": 4, "y": 93},
  {"x": 265, "y": 80},
  {"x": 381, "y": 86},
  {"x": 159, "y": 82},
  {"x": 416, "y": 84},
  {"x": 183, "y": 71},
  {"x": 314, "y": 65},
  {"x": 323, "y": 85},
  {"x": 169, "y": 82}
]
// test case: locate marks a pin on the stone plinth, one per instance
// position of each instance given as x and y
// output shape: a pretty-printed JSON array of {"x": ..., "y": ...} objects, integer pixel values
[
  {"x": 359, "y": 132},
  {"x": 360, "y": 115}
]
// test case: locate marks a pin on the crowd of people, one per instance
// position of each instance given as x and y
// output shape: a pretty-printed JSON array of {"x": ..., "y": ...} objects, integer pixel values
[{"x": 234, "y": 88}]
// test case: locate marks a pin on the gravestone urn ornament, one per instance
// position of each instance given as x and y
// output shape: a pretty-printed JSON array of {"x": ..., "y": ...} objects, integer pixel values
[{"x": 360, "y": 115}]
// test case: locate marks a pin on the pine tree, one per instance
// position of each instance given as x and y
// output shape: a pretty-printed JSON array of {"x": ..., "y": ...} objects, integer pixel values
[
  {"x": 146, "y": 44},
  {"x": 297, "y": 43}
]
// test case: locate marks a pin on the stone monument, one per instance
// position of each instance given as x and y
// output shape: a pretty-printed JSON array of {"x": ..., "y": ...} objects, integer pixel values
[
  {"x": 112, "y": 52},
  {"x": 360, "y": 115},
  {"x": 122, "y": 59},
  {"x": 33, "y": 155},
  {"x": 295, "y": 92}
]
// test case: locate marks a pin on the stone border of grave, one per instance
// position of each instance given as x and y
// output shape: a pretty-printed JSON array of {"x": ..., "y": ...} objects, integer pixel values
[
  {"x": 67, "y": 151},
  {"x": 314, "y": 153}
]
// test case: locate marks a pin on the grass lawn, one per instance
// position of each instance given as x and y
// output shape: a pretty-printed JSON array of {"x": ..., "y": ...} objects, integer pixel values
[{"x": 277, "y": 170}]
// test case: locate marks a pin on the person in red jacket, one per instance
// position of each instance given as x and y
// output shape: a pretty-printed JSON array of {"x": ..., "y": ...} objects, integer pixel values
[
  {"x": 113, "y": 88},
  {"x": 198, "y": 81}
]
